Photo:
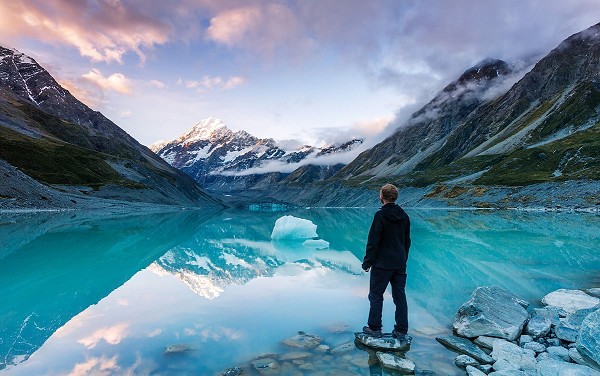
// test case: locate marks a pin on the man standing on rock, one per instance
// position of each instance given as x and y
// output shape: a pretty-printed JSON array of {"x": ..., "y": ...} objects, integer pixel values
[{"x": 386, "y": 255}]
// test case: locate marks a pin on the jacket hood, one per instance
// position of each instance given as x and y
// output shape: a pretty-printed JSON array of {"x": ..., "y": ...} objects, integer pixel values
[{"x": 393, "y": 212}]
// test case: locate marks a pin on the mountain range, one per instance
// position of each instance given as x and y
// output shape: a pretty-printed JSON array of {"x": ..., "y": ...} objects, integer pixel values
[
  {"x": 225, "y": 161},
  {"x": 496, "y": 136},
  {"x": 494, "y": 131},
  {"x": 57, "y": 152}
]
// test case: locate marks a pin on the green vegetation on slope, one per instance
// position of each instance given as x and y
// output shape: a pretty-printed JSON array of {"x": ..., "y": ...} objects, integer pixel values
[
  {"x": 581, "y": 105},
  {"x": 574, "y": 157},
  {"x": 55, "y": 162}
]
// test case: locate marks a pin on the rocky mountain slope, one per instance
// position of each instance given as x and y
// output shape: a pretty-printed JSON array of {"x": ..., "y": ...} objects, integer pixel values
[
  {"x": 226, "y": 161},
  {"x": 544, "y": 129},
  {"x": 63, "y": 148},
  {"x": 482, "y": 142},
  {"x": 428, "y": 129}
]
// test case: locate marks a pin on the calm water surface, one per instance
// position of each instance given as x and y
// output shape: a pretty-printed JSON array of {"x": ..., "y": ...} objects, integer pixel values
[{"x": 85, "y": 294}]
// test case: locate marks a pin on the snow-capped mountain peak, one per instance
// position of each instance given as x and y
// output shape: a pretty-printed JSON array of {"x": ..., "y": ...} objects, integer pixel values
[
  {"x": 210, "y": 149},
  {"x": 208, "y": 129}
]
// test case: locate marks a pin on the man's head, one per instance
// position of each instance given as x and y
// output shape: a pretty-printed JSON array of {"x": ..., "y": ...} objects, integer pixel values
[{"x": 388, "y": 193}]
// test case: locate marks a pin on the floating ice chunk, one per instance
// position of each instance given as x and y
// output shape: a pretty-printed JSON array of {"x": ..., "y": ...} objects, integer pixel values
[
  {"x": 316, "y": 243},
  {"x": 292, "y": 228}
]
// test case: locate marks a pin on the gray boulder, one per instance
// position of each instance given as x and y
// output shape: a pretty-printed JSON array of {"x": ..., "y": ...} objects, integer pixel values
[
  {"x": 535, "y": 346},
  {"x": 266, "y": 366},
  {"x": 575, "y": 320},
  {"x": 385, "y": 343},
  {"x": 542, "y": 356},
  {"x": 588, "y": 343},
  {"x": 485, "y": 368},
  {"x": 234, "y": 371},
  {"x": 303, "y": 340},
  {"x": 491, "y": 311},
  {"x": 550, "y": 313},
  {"x": 538, "y": 326},
  {"x": 510, "y": 372},
  {"x": 464, "y": 346},
  {"x": 180, "y": 348},
  {"x": 566, "y": 333},
  {"x": 559, "y": 352},
  {"x": 472, "y": 371},
  {"x": 509, "y": 356},
  {"x": 577, "y": 358},
  {"x": 553, "y": 367},
  {"x": 525, "y": 339},
  {"x": 485, "y": 341},
  {"x": 570, "y": 300},
  {"x": 553, "y": 341},
  {"x": 462, "y": 361},
  {"x": 344, "y": 347},
  {"x": 392, "y": 361}
]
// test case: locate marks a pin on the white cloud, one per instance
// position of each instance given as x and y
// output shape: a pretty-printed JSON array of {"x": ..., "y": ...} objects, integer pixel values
[
  {"x": 112, "y": 335},
  {"x": 115, "y": 82},
  {"x": 217, "y": 82},
  {"x": 96, "y": 366},
  {"x": 278, "y": 166},
  {"x": 157, "y": 84}
]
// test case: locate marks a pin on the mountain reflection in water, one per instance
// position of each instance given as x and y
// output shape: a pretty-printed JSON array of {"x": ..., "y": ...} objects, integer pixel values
[{"x": 87, "y": 293}]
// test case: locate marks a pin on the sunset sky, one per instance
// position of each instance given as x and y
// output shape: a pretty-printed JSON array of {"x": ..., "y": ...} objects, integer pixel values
[{"x": 315, "y": 70}]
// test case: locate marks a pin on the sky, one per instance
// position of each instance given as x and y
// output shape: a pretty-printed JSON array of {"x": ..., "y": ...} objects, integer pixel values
[{"x": 317, "y": 71}]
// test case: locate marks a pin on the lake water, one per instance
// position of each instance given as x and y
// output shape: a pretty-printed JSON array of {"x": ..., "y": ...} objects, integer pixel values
[{"x": 86, "y": 294}]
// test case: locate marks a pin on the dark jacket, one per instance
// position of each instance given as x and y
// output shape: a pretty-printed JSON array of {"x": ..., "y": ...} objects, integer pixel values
[{"x": 389, "y": 239}]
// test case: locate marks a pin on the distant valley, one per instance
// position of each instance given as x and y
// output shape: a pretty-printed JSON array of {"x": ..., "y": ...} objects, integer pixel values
[
  {"x": 495, "y": 137},
  {"x": 486, "y": 140}
]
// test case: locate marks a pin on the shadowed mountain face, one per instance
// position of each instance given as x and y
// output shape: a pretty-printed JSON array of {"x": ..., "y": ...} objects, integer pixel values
[
  {"x": 55, "y": 139},
  {"x": 428, "y": 128},
  {"x": 545, "y": 128}
]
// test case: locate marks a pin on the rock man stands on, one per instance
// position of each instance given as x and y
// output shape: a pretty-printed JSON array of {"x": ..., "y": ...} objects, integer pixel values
[{"x": 386, "y": 254}]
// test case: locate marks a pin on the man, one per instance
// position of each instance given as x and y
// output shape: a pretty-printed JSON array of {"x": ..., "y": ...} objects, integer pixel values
[{"x": 386, "y": 254}]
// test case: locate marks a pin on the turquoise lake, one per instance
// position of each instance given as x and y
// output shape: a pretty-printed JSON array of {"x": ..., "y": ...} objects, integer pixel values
[{"x": 85, "y": 293}]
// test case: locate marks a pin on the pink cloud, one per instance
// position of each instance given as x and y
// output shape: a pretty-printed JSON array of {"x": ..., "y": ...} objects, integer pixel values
[
  {"x": 262, "y": 28},
  {"x": 96, "y": 366},
  {"x": 112, "y": 335},
  {"x": 103, "y": 30},
  {"x": 91, "y": 98},
  {"x": 115, "y": 82}
]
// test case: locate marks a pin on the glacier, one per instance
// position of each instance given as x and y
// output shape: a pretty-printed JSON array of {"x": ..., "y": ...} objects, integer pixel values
[{"x": 289, "y": 227}]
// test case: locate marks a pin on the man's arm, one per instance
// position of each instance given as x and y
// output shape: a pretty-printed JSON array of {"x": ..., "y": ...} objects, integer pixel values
[
  {"x": 373, "y": 242},
  {"x": 407, "y": 240}
]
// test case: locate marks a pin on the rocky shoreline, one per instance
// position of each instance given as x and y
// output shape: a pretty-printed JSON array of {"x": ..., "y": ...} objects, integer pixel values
[{"x": 495, "y": 333}]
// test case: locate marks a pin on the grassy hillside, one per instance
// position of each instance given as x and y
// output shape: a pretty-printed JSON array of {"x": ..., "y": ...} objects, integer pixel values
[{"x": 53, "y": 161}]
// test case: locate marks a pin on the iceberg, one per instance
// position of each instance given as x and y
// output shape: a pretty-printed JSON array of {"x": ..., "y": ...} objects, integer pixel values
[{"x": 293, "y": 228}]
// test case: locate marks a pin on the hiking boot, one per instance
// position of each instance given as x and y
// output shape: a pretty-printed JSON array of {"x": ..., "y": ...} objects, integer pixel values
[
  {"x": 371, "y": 332},
  {"x": 400, "y": 336}
]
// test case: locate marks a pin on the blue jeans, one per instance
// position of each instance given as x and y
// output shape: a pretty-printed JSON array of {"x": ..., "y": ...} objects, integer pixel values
[{"x": 379, "y": 281}]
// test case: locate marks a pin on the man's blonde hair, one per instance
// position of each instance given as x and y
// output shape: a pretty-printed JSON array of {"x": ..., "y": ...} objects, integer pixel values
[{"x": 389, "y": 192}]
